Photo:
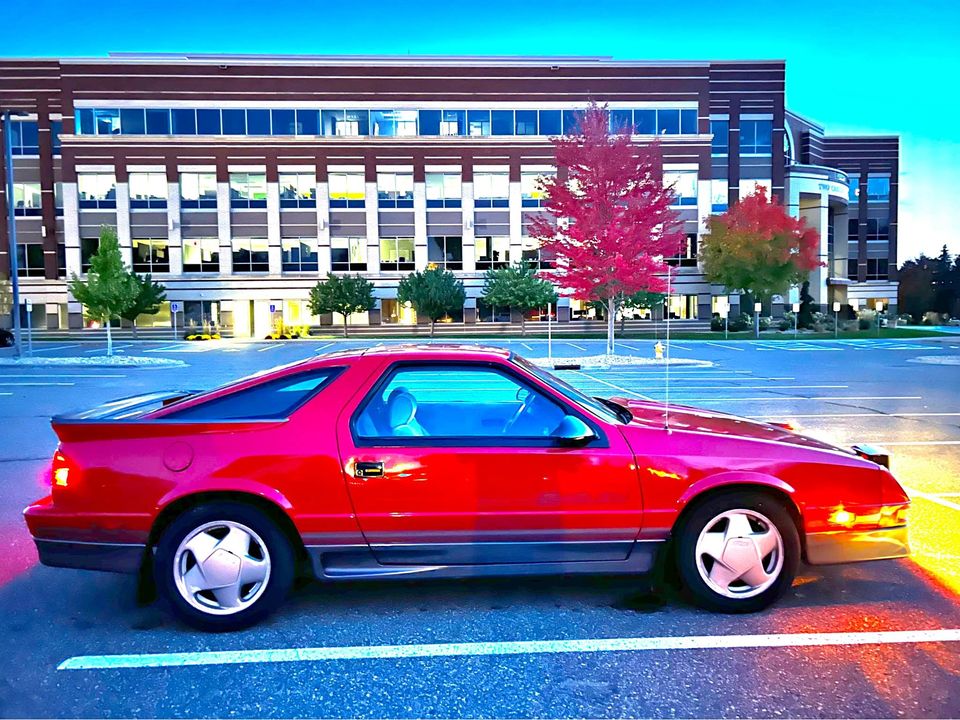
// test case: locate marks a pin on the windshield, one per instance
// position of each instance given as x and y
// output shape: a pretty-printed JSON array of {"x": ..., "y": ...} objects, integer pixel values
[{"x": 569, "y": 392}]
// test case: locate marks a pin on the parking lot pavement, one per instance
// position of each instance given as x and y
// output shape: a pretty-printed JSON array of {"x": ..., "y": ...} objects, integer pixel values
[{"x": 404, "y": 642}]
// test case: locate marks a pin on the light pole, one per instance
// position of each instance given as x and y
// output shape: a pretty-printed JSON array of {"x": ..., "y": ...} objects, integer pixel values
[
  {"x": 796, "y": 319},
  {"x": 12, "y": 234},
  {"x": 756, "y": 319},
  {"x": 836, "y": 320}
]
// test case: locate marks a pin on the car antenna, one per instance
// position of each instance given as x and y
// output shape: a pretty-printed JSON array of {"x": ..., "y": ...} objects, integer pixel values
[{"x": 666, "y": 388}]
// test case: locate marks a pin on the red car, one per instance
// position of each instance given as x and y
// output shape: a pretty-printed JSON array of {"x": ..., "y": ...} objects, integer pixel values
[{"x": 446, "y": 461}]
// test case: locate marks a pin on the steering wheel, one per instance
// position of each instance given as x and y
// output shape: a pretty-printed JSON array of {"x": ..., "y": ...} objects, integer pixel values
[{"x": 524, "y": 406}]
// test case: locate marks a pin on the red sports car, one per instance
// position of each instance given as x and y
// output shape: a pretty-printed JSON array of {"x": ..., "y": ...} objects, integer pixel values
[{"x": 446, "y": 461}]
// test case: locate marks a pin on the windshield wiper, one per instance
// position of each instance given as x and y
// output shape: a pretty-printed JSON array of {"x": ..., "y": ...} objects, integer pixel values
[{"x": 623, "y": 414}]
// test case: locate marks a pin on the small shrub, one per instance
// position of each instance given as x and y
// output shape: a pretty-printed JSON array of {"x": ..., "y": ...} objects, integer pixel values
[
  {"x": 766, "y": 323},
  {"x": 716, "y": 323}
]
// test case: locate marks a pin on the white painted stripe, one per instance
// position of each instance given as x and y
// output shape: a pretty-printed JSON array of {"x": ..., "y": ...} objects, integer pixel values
[
  {"x": 932, "y": 498},
  {"x": 104, "y": 349},
  {"x": 678, "y": 347},
  {"x": 879, "y": 415},
  {"x": 268, "y": 347},
  {"x": 36, "y": 384},
  {"x": 326, "y": 345},
  {"x": 527, "y": 347},
  {"x": 774, "y": 398},
  {"x": 578, "y": 347},
  {"x": 725, "y": 347},
  {"x": 42, "y": 374},
  {"x": 749, "y": 387},
  {"x": 516, "y": 647},
  {"x": 913, "y": 443},
  {"x": 615, "y": 387},
  {"x": 168, "y": 348},
  {"x": 55, "y": 347},
  {"x": 5, "y": 393}
]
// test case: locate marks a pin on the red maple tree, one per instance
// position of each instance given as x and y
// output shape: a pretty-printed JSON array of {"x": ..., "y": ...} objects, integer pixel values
[{"x": 609, "y": 223}]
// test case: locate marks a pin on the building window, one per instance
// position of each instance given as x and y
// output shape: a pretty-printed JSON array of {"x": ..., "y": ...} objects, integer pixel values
[
  {"x": 97, "y": 190},
  {"x": 198, "y": 191},
  {"x": 756, "y": 137},
  {"x": 250, "y": 255},
  {"x": 56, "y": 130},
  {"x": 150, "y": 256},
  {"x": 26, "y": 199},
  {"x": 491, "y": 189},
  {"x": 445, "y": 252},
  {"x": 148, "y": 190},
  {"x": 877, "y": 268},
  {"x": 201, "y": 255},
  {"x": 532, "y": 254},
  {"x": 208, "y": 122},
  {"x": 445, "y": 123},
  {"x": 478, "y": 122},
  {"x": 298, "y": 190},
  {"x": 878, "y": 230},
  {"x": 58, "y": 197},
  {"x": 684, "y": 185},
  {"x": 25, "y": 137},
  {"x": 852, "y": 269},
  {"x": 158, "y": 121},
  {"x": 525, "y": 122},
  {"x": 492, "y": 252},
  {"x": 550, "y": 122},
  {"x": 853, "y": 192},
  {"x": 88, "y": 248},
  {"x": 300, "y": 255},
  {"x": 348, "y": 254},
  {"x": 30, "y": 260},
  {"x": 248, "y": 190},
  {"x": 719, "y": 195},
  {"x": 183, "y": 121},
  {"x": 878, "y": 188},
  {"x": 687, "y": 257},
  {"x": 443, "y": 190},
  {"x": 720, "y": 145},
  {"x": 531, "y": 193},
  {"x": 395, "y": 189},
  {"x": 396, "y": 254},
  {"x": 393, "y": 123},
  {"x": 347, "y": 190},
  {"x": 345, "y": 123}
]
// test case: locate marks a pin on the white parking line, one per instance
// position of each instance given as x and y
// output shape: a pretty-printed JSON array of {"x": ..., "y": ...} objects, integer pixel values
[
  {"x": 527, "y": 347},
  {"x": 578, "y": 347},
  {"x": 878, "y": 415},
  {"x": 516, "y": 647},
  {"x": 59, "y": 375},
  {"x": 36, "y": 384},
  {"x": 912, "y": 443},
  {"x": 615, "y": 387},
  {"x": 268, "y": 347},
  {"x": 322, "y": 347},
  {"x": 5, "y": 393},
  {"x": 104, "y": 349},
  {"x": 932, "y": 498},
  {"x": 752, "y": 387},
  {"x": 55, "y": 347},
  {"x": 775, "y": 398},
  {"x": 725, "y": 347}
]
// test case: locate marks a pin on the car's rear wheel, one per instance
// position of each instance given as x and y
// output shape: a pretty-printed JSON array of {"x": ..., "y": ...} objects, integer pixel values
[
  {"x": 738, "y": 551},
  {"x": 223, "y": 566}
]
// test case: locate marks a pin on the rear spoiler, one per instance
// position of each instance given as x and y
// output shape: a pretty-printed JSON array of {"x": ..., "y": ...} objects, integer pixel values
[{"x": 128, "y": 408}]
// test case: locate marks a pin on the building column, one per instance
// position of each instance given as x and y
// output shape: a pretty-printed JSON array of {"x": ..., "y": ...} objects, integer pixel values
[
  {"x": 174, "y": 234},
  {"x": 733, "y": 154},
  {"x": 470, "y": 311},
  {"x": 420, "y": 225},
  {"x": 223, "y": 227},
  {"x": 373, "y": 226},
  {"x": 468, "y": 210},
  {"x": 704, "y": 306},
  {"x": 274, "y": 249},
  {"x": 48, "y": 229},
  {"x": 323, "y": 228},
  {"x": 123, "y": 223},
  {"x": 71, "y": 240},
  {"x": 515, "y": 203}
]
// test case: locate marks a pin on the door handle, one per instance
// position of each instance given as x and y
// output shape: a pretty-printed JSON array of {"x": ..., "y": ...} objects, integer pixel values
[{"x": 368, "y": 469}]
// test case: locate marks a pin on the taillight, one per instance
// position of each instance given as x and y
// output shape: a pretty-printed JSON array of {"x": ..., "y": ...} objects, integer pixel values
[{"x": 61, "y": 470}]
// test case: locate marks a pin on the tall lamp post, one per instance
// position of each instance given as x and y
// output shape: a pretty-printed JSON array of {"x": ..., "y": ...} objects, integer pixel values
[
  {"x": 12, "y": 233},
  {"x": 836, "y": 319},
  {"x": 879, "y": 308}
]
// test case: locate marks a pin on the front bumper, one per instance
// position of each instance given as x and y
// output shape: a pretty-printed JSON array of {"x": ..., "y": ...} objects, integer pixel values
[{"x": 843, "y": 546}]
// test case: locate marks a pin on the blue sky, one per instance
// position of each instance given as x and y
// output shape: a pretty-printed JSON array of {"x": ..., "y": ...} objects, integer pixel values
[{"x": 882, "y": 66}]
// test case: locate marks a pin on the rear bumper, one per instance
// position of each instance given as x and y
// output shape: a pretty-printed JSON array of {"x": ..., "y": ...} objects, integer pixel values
[
  {"x": 111, "y": 557},
  {"x": 843, "y": 546}
]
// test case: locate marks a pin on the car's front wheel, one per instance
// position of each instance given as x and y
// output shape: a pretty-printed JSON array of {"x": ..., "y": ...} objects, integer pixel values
[
  {"x": 738, "y": 551},
  {"x": 223, "y": 566}
]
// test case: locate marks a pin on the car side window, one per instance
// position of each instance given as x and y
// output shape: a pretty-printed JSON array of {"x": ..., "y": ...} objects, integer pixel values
[
  {"x": 457, "y": 402},
  {"x": 270, "y": 400}
]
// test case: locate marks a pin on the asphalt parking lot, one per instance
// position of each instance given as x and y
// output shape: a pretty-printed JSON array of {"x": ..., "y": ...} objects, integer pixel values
[{"x": 456, "y": 648}]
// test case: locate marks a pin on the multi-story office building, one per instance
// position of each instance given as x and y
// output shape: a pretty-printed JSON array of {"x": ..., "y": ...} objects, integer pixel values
[{"x": 239, "y": 180}]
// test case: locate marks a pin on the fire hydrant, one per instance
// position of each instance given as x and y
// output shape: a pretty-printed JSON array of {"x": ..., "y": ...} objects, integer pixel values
[{"x": 658, "y": 350}]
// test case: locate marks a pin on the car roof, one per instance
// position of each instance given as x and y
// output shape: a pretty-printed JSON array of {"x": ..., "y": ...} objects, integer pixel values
[{"x": 412, "y": 351}]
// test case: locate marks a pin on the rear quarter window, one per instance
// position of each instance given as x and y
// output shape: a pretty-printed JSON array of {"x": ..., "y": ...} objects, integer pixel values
[{"x": 270, "y": 400}]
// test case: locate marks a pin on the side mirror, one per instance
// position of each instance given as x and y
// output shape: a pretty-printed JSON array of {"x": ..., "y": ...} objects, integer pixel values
[{"x": 573, "y": 431}]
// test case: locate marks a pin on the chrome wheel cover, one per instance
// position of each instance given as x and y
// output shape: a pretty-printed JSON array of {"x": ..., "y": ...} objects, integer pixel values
[
  {"x": 221, "y": 567},
  {"x": 739, "y": 553}
]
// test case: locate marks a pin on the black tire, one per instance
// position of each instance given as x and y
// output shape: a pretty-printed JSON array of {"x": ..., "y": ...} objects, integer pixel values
[
  {"x": 282, "y": 565},
  {"x": 703, "y": 513}
]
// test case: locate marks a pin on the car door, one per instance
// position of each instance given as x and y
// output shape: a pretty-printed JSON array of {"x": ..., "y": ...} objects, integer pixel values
[{"x": 454, "y": 463}]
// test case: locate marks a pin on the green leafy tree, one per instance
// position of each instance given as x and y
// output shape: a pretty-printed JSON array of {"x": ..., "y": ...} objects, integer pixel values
[
  {"x": 150, "y": 294},
  {"x": 344, "y": 294},
  {"x": 518, "y": 287},
  {"x": 434, "y": 293},
  {"x": 109, "y": 289}
]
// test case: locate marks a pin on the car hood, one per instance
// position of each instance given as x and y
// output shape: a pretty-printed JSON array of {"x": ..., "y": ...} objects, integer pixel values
[{"x": 682, "y": 417}]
